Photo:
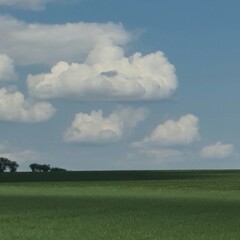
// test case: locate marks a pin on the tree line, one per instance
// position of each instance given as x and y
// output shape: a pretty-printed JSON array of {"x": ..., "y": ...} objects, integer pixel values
[
  {"x": 35, "y": 167},
  {"x": 12, "y": 166}
]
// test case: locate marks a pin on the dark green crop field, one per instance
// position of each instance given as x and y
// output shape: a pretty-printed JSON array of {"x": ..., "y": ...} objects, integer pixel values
[{"x": 168, "y": 205}]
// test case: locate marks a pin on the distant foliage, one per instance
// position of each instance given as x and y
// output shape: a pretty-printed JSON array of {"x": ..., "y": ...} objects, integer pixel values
[
  {"x": 35, "y": 167},
  {"x": 6, "y": 163},
  {"x": 55, "y": 169},
  {"x": 2, "y": 166}
]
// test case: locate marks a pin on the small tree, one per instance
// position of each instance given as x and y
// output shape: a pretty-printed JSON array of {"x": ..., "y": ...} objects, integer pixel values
[
  {"x": 2, "y": 167},
  {"x": 6, "y": 163},
  {"x": 35, "y": 167},
  {"x": 13, "y": 166},
  {"x": 45, "y": 167}
]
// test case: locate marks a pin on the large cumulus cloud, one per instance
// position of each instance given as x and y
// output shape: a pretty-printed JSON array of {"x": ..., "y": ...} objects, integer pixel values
[{"x": 107, "y": 74}]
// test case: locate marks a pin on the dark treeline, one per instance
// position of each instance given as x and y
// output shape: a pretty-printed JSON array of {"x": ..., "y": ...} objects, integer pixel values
[
  {"x": 120, "y": 175},
  {"x": 35, "y": 167},
  {"x": 12, "y": 166}
]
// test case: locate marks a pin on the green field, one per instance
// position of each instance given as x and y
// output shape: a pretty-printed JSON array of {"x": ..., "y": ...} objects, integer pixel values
[{"x": 169, "y": 205}]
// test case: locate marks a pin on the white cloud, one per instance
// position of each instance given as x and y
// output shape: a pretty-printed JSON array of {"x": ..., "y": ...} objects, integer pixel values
[
  {"x": 20, "y": 156},
  {"x": 108, "y": 75},
  {"x": 50, "y": 43},
  {"x": 96, "y": 128},
  {"x": 14, "y": 107},
  {"x": 101, "y": 71},
  {"x": 181, "y": 132},
  {"x": 7, "y": 71},
  {"x": 162, "y": 154},
  {"x": 25, "y": 4},
  {"x": 35, "y": 5},
  {"x": 218, "y": 150}
]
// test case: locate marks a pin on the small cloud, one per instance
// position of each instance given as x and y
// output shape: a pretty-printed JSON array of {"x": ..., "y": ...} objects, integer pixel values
[
  {"x": 33, "y": 5},
  {"x": 181, "y": 132},
  {"x": 162, "y": 155},
  {"x": 218, "y": 150},
  {"x": 7, "y": 71},
  {"x": 15, "y": 108},
  {"x": 96, "y": 128},
  {"x": 20, "y": 156}
]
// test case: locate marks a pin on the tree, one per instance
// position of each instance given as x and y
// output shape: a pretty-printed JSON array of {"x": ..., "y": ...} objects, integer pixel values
[
  {"x": 2, "y": 166},
  {"x": 7, "y": 163},
  {"x": 45, "y": 167},
  {"x": 35, "y": 167},
  {"x": 13, "y": 166}
]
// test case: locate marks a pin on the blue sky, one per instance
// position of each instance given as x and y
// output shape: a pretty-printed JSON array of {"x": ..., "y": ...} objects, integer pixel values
[{"x": 120, "y": 84}]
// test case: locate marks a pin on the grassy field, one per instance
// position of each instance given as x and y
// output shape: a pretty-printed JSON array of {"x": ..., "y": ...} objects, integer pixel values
[{"x": 180, "y": 205}]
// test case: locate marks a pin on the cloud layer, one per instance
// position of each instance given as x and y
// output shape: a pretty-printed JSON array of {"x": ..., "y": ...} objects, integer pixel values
[
  {"x": 37, "y": 43},
  {"x": 25, "y": 4},
  {"x": 7, "y": 71},
  {"x": 34, "y": 5},
  {"x": 96, "y": 128},
  {"x": 218, "y": 150},
  {"x": 14, "y": 107},
  {"x": 102, "y": 71},
  {"x": 108, "y": 75},
  {"x": 181, "y": 132}
]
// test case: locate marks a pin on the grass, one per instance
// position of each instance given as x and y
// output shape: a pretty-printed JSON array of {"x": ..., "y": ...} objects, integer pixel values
[{"x": 182, "y": 205}]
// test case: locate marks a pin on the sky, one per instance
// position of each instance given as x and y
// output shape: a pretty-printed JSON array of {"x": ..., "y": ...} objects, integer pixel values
[{"x": 120, "y": 85}]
